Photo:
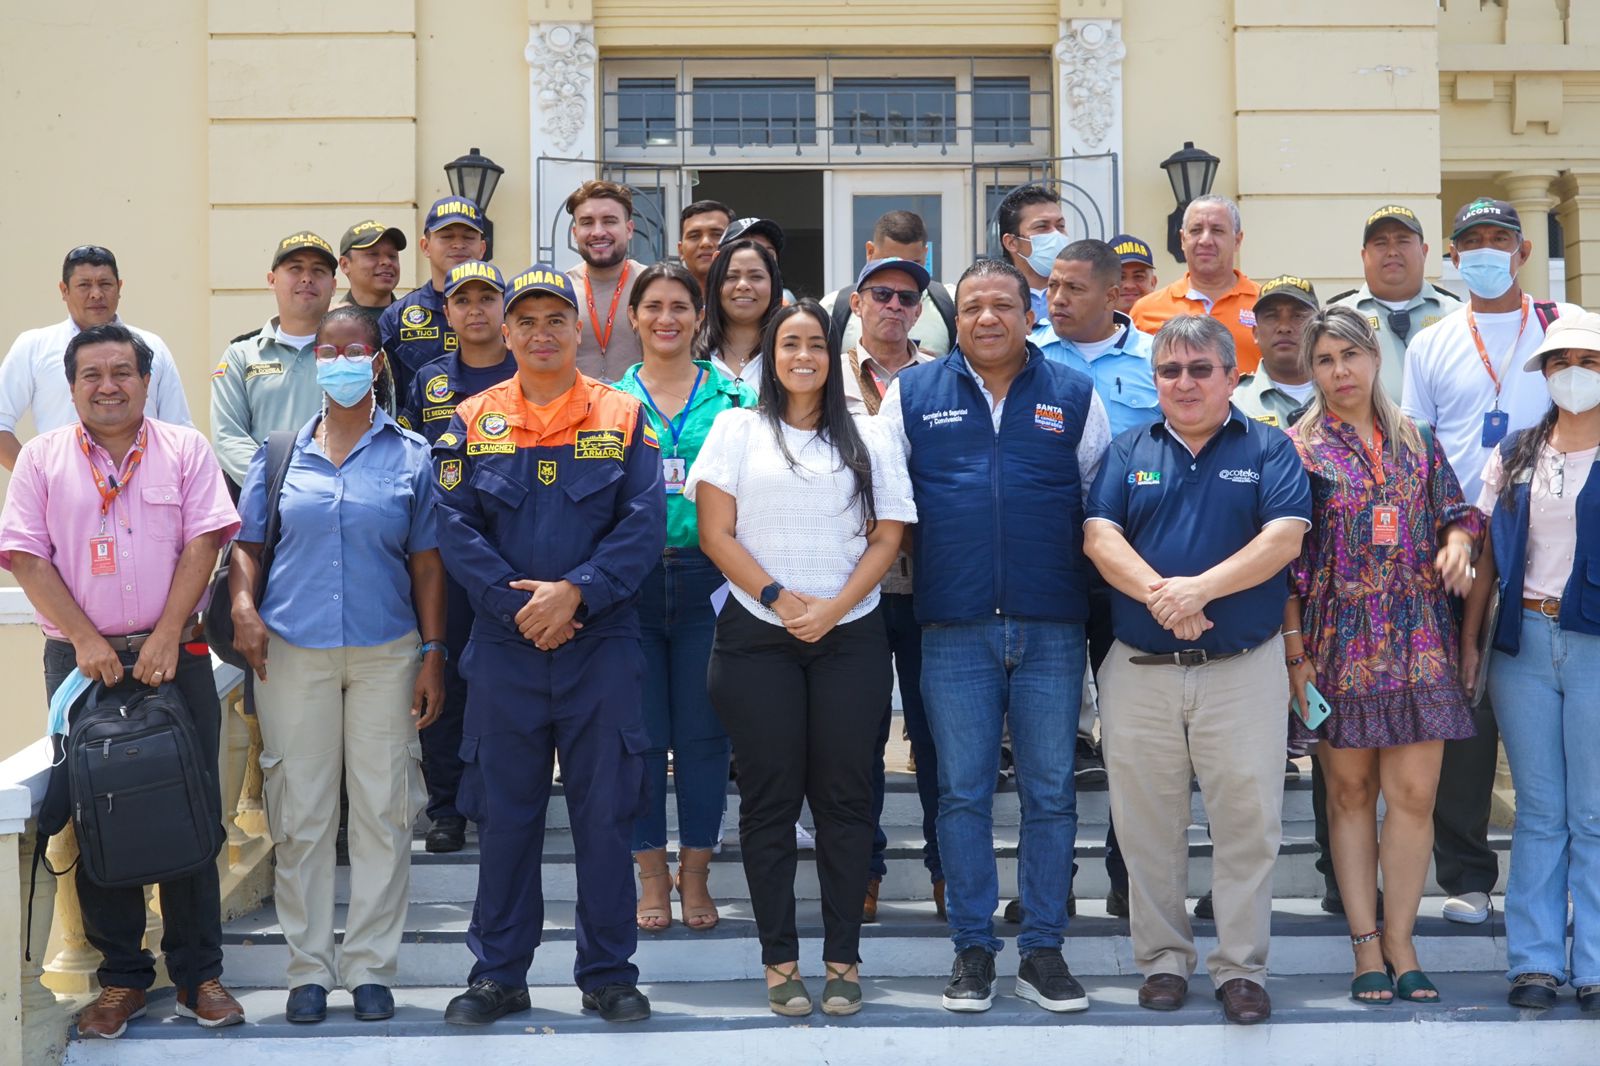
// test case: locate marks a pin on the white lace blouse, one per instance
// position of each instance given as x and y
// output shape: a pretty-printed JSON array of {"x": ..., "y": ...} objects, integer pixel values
[{"x": 802, "y": 524}]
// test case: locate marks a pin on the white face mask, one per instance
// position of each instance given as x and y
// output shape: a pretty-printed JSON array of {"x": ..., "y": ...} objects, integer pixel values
[
  {"x": 1044, "y": 247},
  {"x": 1575, "y": 389}
]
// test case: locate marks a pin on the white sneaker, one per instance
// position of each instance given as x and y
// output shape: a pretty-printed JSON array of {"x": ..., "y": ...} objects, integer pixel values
[
  {"x": 803, "y": 838},
  {"x": 1469, "y": 908}
]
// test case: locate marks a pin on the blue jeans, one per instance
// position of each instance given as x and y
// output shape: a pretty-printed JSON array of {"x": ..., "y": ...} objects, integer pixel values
[
  {"x": 905, "y": 644},
  {"x": 675, "y": 630},
  {"x": 1547, "y": 702},
  {"x": 977, "y": 676}
]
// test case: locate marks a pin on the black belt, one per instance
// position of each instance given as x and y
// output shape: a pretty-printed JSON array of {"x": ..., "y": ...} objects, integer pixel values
[
  {"x": 133, "y": 642},
  {"x": 1187, "y": 657}
]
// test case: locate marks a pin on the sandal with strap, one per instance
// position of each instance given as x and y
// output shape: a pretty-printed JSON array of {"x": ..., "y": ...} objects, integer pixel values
[
  {"x": 1368, "y": 982},
  {"x": 789, "y": 998},
  {"x": 654, "y": 919},
  {"x": 840, "y": 996},
  {"x": 1411, "y": 985},
  {"x": 698, "y": 918}
]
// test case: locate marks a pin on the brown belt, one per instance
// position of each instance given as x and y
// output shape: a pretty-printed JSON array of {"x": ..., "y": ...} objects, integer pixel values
[
  {"x": 1188, "y": 657},
  {"x": 1550, "y": 606},
  {"x": 132, "y": 642}
]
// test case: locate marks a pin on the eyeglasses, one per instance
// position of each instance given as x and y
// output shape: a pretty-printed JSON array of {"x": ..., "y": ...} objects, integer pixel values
[
  {"x": 1197, "y": 371},
  {"x": 883, "y": 294},
  {"x": 87, "y": 251},
  {"x": 355, "y": 353},
  {"x": 1400, "y": 324}
]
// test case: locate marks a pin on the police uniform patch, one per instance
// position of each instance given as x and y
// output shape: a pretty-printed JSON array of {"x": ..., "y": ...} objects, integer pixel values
[
  {"x": 260, "y": 370},
  {"x": 221, "y": 370},
  {"x": 650, "y": 437},
  {"x": 416, "y": 315},
  {"x": 493, "y": 425},
  {"x": 451, "y": 342},
  {"x": 439, "y": 414},
  {"x": 1270, "y": 420},
  {"x": 437, "y": 389},
  {"x": 1372, "y": 320},
  {"x": 449, "y": 440},
  {"x": 449, "y": 474},
  {"x": 547, "y": 471},
  {"x": 597, "y": 444},
  {"x": 405, "y": 423}
]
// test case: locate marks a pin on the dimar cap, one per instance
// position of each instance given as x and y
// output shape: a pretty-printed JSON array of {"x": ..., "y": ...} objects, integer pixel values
[
  {"x": 366, "y": 234},
  {"x": 1131, "y": 249},
  {"x": 1569, "y": 331},
  {"x": 303, "y": 240},
  {"x": 474, "y": 270},
  {"x": 918, "y": 273},
  {"x": 450, "y": 209},
  {"x": 1391, "y": 213},
  {"x": 1289, "y": 287},
  {"x": 541, "y": 277},
  {"x": 1486, "y": 212}
]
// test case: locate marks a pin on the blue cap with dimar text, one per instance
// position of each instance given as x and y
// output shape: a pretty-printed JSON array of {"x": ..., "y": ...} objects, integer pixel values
[
  {"x": 449, "y": 209},
  {"x": 918, "y": 272},
  {"x": 474, "y": 270},
  {"x": 541, "y": 277},
  {"x": 1131, "y": 249}
]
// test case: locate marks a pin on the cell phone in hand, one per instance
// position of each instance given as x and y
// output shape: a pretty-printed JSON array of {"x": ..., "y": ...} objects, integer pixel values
[{"x": 1316, "y": 713}]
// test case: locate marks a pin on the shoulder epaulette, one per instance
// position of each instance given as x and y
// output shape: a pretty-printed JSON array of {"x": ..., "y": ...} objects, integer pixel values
[
  {"x": 246, "y": 336},
  {"x": 1442, "y": 291},
  {"x": 1343, "y": 295}
]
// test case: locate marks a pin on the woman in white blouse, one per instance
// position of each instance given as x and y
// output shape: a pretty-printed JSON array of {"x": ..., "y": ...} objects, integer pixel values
[{"x": 803, "y": 508}]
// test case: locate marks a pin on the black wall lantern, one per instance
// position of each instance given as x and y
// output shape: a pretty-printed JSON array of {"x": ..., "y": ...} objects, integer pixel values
[
  {"x": 1191, "y": 171},
  {"x": 475, "y": 177}
]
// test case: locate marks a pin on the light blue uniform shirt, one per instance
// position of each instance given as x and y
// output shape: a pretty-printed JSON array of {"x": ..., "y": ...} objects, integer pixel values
[
  {"x": 1123, "y": 377},
  {"x": 339, "y": 578}
]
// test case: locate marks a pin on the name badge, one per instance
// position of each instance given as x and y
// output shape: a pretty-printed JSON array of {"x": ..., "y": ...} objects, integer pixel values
[
  {"x": 673, "y": 474},
  {"x": 102, "y": 555},
  {"x": 1494, "y": 427},
  {"x": 1386, "y": 525}
]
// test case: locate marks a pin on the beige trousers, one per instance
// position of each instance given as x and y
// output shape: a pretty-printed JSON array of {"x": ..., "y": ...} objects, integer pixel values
[
  {"x": 327, "y": 714},
  {"x": 1225, "y": 724}
]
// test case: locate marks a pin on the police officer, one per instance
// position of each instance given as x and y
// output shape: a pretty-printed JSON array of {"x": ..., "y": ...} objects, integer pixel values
[
  {"x": 551, "y": 515},
  {"x": 472, "y": 303},
  {"x": 1281, "y": 385},
  {"x": 1396, "y": 298},
  {"x": 413, "y": 328},
  {"x": 369, "y": 258}
]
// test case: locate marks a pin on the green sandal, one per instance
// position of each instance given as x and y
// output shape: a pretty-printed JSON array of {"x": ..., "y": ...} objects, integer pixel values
[
  {"x": 840, "y": 996},
  {"x": 790, "y": 998},
  {"x": 1372, "y": 980},
  {"x": 1410, "y": 984}
]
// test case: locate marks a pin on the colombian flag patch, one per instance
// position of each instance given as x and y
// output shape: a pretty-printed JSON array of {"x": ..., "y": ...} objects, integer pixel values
[
  {"x": 221, "y": 370},
  {"x": 650, "y": 437}
]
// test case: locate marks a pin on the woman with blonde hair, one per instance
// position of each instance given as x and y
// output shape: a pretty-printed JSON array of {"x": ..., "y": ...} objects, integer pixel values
[{"x": 1369, "y": 624}]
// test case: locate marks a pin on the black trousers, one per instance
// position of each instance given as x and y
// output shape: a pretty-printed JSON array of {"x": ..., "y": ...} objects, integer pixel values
[
  {"x": 1462, "y": 859},
  {"x": 191, "y": 907},
  {"x": 804, "y": 722}
]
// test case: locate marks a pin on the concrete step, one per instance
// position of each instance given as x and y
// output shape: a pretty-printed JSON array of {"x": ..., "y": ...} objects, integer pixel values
[
  {"x": 1313, "y": 1024},
  {"x": 909, "y": 940},
  {"x": 454, "y": 877}
]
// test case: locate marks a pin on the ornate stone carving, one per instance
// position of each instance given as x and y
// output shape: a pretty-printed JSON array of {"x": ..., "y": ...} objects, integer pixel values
[
  {"x": 1090, "y": 52},
  {"x": 562, "y": 57}
]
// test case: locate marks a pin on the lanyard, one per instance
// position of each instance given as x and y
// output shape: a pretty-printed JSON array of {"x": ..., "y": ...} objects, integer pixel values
[
  {"x": 111, "y": 487},
  {"x": 604, "y": 339},
  {"x": 1375, "y": 453},
  {"x": 1472, "y": 324},
  {"x": 675, "y": 428}
]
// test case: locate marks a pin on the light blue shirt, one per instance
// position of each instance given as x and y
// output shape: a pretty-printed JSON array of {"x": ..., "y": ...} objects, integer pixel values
[
  {"x": 1123, "y": 377},
  {"x": 339, "y": 578}
]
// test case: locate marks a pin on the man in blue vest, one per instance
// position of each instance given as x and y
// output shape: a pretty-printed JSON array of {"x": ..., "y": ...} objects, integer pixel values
[{"x": 1002, "y": 446}]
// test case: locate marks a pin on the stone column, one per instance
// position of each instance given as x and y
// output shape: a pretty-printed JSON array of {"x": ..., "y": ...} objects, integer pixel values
[
  {"x": 1529, "y": 193},
  {"x": 1579, "y": 212},
  {"x": 1088, "y": 63},
  {"x": 564, "y": 102}
]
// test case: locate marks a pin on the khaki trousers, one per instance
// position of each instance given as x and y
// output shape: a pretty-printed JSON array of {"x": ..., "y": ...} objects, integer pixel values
[
  {"x": 1225, "y": 724},
  {"x": 326, "y": 714}
]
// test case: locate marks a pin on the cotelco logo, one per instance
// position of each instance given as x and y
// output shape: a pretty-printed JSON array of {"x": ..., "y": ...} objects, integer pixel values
[{"x": 1240, "y": 477}]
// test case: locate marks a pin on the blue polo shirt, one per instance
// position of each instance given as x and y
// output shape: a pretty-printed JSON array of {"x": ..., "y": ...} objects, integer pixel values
[
  {"x": 1186, "y": 513},
  {"x": 1123, "y": 376},
  {"x": 340, "y": 578}
]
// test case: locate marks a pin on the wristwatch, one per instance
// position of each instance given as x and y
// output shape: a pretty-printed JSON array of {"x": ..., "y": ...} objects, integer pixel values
[{"x": 769, "y": 595}]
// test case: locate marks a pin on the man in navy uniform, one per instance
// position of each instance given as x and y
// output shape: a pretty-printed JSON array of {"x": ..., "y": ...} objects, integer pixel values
[
  {"x": 473, "y": 294},
  {"x": 551, "y": 516},
  {"x": 413, "y": 328}
]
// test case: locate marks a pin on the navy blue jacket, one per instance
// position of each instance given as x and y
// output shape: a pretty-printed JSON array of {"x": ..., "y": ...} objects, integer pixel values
[
  {"x": 1000, "y": 515},
  {"x": 1508, "y": 530},
  {"x": 414, "y": 332}
]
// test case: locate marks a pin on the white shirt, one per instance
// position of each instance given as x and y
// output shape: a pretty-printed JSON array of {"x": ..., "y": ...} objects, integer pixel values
[
  {"x": 802, "y": 523},
  {"x": 750, "y": 375},
  {"x": 1301, "y": 393},
  {"x": 1091, "y": 446},
  {"x": 34, "y": 376},
  {"x": 1447, "y": 386}
]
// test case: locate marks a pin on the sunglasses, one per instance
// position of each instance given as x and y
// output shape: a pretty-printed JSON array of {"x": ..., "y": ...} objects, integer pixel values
[
  {"x": 883, "y": 294},
  {"x": 87, "y": 251},
  {"x": 1197, "y": 371},
  {"x": 355, "y": 353}
]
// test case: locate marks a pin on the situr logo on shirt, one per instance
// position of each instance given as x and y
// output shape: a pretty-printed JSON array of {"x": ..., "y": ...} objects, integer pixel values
[
  {"x": 1240, "y": 477},
  {"x": 1144, "y": 477},
  {"x": 944, "y": 418}
]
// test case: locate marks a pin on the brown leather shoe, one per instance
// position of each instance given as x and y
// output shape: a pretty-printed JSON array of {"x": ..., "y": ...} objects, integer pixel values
[
  {"x": 869, "y": 906},
  {"x": 1244, "y": 1002},
  {"x": 108, "y": 1016},
  {"x": 1163, "y": 991},
  {"x": 938, "y": 899},
  {"x": 214, "y": 1007}
]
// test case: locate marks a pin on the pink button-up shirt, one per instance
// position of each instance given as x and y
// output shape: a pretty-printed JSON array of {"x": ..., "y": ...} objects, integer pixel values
[{"x": 52, "y": 510}]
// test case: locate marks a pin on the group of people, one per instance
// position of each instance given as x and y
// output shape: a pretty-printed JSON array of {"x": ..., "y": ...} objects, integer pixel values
[{"x": 628, "y": 511}]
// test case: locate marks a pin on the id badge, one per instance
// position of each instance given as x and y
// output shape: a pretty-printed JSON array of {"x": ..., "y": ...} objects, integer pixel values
[
  {"x": 1386, "y": 525},
  {"x": 674, "y": 471},
  {"x": 102, "y": 555},
  {"x": 1494, "y": 427}
]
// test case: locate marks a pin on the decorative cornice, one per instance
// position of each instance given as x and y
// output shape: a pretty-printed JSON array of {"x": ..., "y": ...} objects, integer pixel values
[
  {"x": 1090, "y": 52},
  {"x": 562, "y": 57}
]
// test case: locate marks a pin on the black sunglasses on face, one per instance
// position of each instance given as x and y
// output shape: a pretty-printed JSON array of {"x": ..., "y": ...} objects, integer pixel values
[
  {"x": 1197, "y": 371},
  {"x": 883, "y": 294}
]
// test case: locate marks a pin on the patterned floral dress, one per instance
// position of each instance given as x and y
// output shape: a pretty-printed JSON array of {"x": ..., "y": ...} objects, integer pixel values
[{"x": 1376, "y": 620}]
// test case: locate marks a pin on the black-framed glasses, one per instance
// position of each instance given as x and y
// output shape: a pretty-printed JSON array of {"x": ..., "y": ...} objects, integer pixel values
[
  {"x": 1197, "y": 371},
  {"x": 883, "y": 294},
  {"x": 355, "y": 353},
  {"x": 88, "y": 251},
  {"x": 1400, "y": 324}
]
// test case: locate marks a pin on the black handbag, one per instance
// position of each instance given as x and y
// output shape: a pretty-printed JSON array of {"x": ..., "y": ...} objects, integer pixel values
[{"x": 218, "y": 618}]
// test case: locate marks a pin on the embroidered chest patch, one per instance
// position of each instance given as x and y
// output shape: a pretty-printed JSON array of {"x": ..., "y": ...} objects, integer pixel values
[{"x": 598, "y": 444}]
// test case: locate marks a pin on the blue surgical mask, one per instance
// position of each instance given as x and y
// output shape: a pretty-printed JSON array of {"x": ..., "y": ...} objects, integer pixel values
[
  {"x": 1046, "y": 246},
  {"x": 1487, "y": 272},
  {"x": 346, "y": 383}
]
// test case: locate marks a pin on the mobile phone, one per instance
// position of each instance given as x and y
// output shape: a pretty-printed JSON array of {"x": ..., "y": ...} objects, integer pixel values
[{"x": 1317, "y": 713}]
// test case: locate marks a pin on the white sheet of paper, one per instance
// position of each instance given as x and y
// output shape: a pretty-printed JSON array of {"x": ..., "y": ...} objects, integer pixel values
[{"x": 719, "y": 596}]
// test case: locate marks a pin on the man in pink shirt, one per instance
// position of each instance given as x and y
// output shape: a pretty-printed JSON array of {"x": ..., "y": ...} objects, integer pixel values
[{"x": 112, "y": 526}]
